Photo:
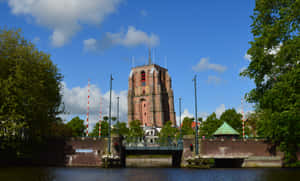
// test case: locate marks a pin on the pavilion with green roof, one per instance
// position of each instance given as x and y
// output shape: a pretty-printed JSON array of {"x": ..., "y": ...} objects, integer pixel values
[{"x": 226, "y": 131}]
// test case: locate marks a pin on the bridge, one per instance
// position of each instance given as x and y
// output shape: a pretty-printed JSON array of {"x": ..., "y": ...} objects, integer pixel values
[
  {"x": 165, "y": 146},
  {"x": 251, "y": 152}
]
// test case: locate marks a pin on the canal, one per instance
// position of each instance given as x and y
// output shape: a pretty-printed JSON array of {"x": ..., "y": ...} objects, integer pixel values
[{"x": 145, "y": 174}]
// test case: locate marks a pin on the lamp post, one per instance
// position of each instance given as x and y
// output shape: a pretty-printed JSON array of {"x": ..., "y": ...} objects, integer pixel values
[
  {"x": 196, "y": 134},
  {"x": 118, "y": 100},
  {"x": 109, "y": 126},
  {"x": 180, "y": 116}
]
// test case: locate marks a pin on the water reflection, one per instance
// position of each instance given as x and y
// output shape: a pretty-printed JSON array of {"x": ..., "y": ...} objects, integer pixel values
[{"x": 149, "y": 174}]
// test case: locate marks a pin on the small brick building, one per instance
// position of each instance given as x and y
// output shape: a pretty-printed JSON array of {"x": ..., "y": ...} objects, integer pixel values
[{"x": 150, "y": 96}]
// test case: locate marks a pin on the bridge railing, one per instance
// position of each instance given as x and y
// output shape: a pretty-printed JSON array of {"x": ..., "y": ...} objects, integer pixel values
[
  {"x": 233, "y": 138},
  {"x": 156, "y": 143}
]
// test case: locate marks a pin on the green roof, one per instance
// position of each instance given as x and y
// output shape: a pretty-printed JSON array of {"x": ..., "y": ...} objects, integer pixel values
[{"x": 226, "y": 129}]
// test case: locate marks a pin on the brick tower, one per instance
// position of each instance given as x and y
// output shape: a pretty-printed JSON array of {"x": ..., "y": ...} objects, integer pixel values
[{"x": 150, "y": 96}]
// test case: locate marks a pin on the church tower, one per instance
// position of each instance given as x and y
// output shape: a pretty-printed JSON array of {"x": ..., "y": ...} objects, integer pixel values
[{"x": 150, "y": 95}]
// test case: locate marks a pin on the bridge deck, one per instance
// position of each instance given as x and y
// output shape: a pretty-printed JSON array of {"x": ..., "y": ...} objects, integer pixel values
[{"x": 156, "y": 148}]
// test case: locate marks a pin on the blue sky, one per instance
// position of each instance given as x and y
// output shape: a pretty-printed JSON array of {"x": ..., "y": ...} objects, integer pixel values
[{"x": 93, "y": 38}]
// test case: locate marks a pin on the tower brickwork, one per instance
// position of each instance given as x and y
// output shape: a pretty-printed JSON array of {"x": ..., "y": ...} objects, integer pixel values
[{"x": 150, "y": 96}]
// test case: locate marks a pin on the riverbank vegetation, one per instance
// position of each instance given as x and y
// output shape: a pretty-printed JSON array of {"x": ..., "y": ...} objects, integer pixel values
[
  {"x": 30, "y": 97},
  {"x": 275, "y": 69}
]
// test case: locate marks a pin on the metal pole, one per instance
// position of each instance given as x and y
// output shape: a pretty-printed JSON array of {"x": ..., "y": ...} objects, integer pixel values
[
  {"x": 109, "y": 126},
  {"x": 100, "y": 117},
  {"x": 118, "y": 99},
  {"x": 180, "y": 115},
  {"x": 88, "y": 110},
  {"x": 243, "y": 119},
  {"x": 196, "y": 134}
]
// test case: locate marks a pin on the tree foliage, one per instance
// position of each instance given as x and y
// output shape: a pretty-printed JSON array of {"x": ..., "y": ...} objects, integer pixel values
[
  {"x": 251, "y": 123},
  {"x": 104, "y": 129},
  {"x": 168, "y": 131},
  {"x": 60, "y": 130},
  {"x": 77, "y": 126},
  {"x": 120, "y": 128},
  {"x": 135, "y": 129},
  {"x": 30, "y": 97},
  {"x": 233, "y": 118},
  {"x": 186, "y": 128},
  {"x": 210, "y": 125},
  {"x": 275, "y": 69}
]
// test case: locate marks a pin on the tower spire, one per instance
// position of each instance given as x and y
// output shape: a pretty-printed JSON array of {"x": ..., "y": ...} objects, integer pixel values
[{"x": 149, "y": 59}]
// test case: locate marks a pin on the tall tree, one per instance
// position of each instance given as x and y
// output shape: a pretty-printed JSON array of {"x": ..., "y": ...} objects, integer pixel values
[
  {"x": 186, "y": 128},
  {"x": 275, "y": 68},
  {"x": 135, "y": 129},
  {"x": 168, "y": 131},
  {"x": 210, "y": 125},
  {"x": 30, "y": 85},
  {"x": 120, "y": 128},
  {"x": 77, "y": 126},
  {"x": 233, "y": 118},
  {"x": 252, "y": 119},
  {"x": 104, "y": 129}
]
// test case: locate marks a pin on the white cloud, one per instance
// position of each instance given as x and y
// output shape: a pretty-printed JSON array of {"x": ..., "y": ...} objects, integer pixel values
[
  {"x": 242, "y": 69},
  {"x": 184, "y": 114},
  {"x": 75, "y": 101},
  {"x": 144, "y": 12},
  {"x": 274, "y": 50},
  {"x": 64, "y": 16},
  {"x": 213, "y": 80},
  {"x": 204, "y": 64},
  {"x": 247, "y": 57},
  {"x": 220, "y": 110},
  {"x": 203, "y": 115},
  {"x": 90, "y": 44},
  {"x": 131, "y": 38}
]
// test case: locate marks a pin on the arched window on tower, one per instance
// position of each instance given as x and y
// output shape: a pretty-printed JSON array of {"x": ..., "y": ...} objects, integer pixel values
[{"x": 143, "y": 78}]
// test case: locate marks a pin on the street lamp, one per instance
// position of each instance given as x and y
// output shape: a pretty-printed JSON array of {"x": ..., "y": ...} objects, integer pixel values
[
  {"x": 109, "y": 126},
  {"x": 196, "y": 134},
  {"x": 180, "y": 116}
]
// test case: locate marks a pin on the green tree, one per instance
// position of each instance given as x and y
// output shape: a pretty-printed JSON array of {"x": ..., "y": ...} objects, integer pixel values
[
  {"x": 120, "y": 128},
  {"x": 233, "y": 118},
  {"x": 208, "y": 127},
  {"x": 186, "y": 128},
  {"x": 77, "y": 126},
  {"x": 275, "y": 69},
  {"x": 168, "y": 131},
  {"x": 252, "y": 119},
  {"x": 59, "y": 129},
  {"x": 105, "y": 118},
  {"x": 135, "y": 129},
  {"x": 30, "y": 85},
  {"x": 104, "y": 129}
]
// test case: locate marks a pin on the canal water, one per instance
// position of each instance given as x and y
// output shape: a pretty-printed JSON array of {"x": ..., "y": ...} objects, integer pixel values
[{"x": 145, "y": 174}]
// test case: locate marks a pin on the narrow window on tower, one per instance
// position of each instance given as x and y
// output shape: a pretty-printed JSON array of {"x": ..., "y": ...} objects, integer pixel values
[{"x": 143, "y": 79}]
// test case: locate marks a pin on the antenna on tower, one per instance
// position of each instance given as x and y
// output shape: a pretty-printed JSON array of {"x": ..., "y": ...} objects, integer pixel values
[
  {"x": 165, "y": 61},
  {"x": 132, "y": 61},
  {"x": 149, "y": 59},
  {"x": 153, "y": 55}
]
